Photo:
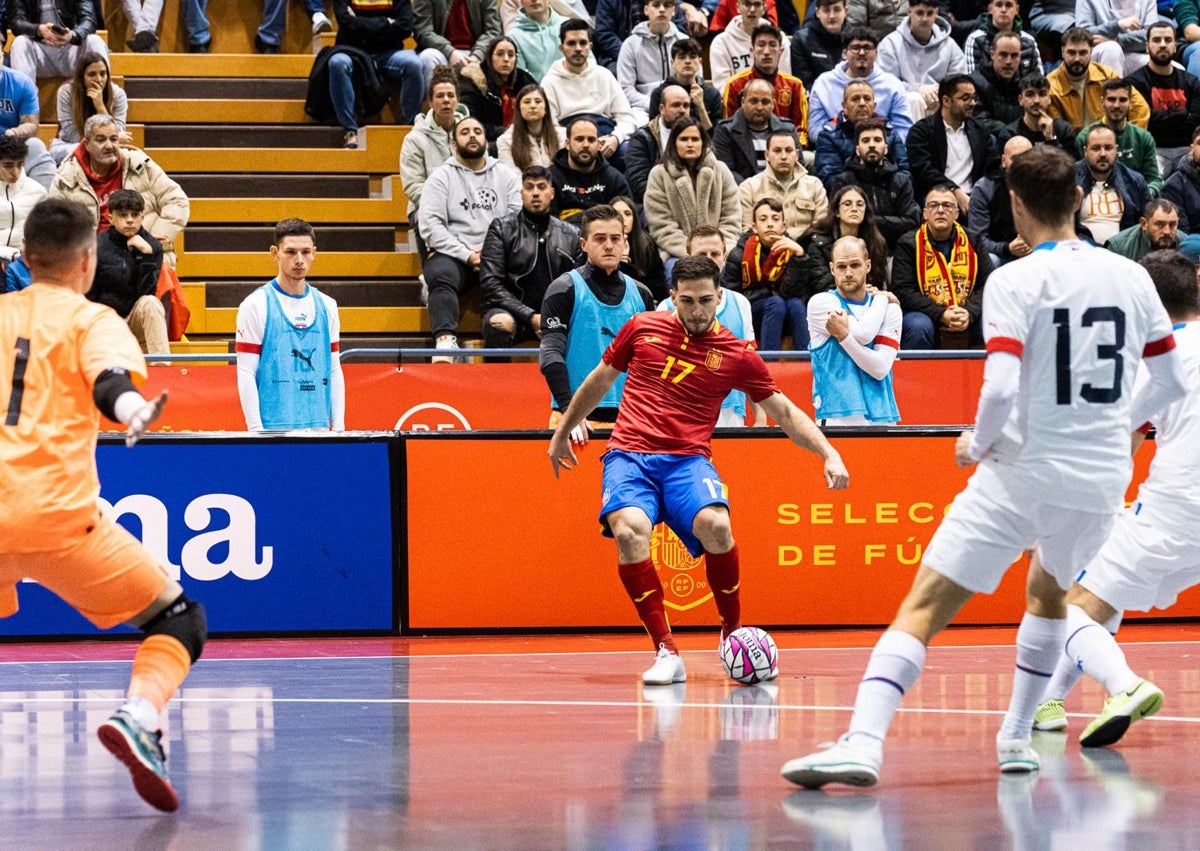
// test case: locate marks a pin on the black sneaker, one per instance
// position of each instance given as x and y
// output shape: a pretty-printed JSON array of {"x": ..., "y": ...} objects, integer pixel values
[{"x": 265, "y": 47}]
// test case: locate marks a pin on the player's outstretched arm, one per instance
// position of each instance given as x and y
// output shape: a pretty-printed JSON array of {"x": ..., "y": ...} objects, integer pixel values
[
  {"x": 805, "y": 434},
  {"x": 142, "y": 418},
  {"x": 118, "y": 399},
  {"x": 586, "y": 398}
]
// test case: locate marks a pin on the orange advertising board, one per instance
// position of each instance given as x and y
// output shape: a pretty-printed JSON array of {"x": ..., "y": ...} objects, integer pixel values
[
  {"x": 494, "y": 541},
  {"x": 428, "y": 397}
]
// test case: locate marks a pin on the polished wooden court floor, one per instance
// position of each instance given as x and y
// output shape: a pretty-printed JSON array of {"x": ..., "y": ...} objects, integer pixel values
[{"x": 552, "y": 742}]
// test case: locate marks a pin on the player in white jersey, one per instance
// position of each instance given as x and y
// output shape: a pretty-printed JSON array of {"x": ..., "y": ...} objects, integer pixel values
[
  {"x": 1066, "y": 328},
  {"x": 1153, "y": 551}
]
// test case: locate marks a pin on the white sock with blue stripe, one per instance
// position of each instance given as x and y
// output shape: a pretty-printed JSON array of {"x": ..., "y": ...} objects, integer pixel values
[
  {"x": 1095, "y": 651},
  {"x": 1039, "y": 641},
  {"x": 894, "y": 667}
]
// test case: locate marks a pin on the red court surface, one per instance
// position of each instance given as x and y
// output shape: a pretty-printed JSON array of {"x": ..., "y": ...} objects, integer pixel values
[{"x": 552, "y": 742}]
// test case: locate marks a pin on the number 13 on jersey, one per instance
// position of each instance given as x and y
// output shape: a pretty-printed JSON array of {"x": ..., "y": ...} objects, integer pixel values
[{"x": 1104, "y": 351}]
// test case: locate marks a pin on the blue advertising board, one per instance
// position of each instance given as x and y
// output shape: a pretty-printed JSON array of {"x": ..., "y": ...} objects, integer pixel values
[{"x": 273, "y": 535}]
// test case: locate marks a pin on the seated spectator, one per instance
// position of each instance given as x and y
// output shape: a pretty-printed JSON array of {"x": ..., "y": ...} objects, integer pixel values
[
  {"x": 997, "y": 89},
  {"x": 817, "y": 47},
  {"x": 19, "y": 116},
  {"x": 889, "y": 191},
  {"x": 489, "y": 91},
  {"x": 935, "y": 160},
  {"x": 270, "y": 31},
  {"x": 641, "y": 260},
  {"x": 1036, "y": 123},
  {"x": 352, "y": 79},
  {"x": 646, "y": 145},
  {"x": 838, "y": 138},
  {"x": 100, "y": 166},
  {"x": 1183, "y": 187},
  {"x": 582, "y": 312},
  {"x": 563, "y": 10},
  {"x": 1173, "y": 96},
  {"x": 454, "y": 40},
  {"x": 522, "y": 253},
  {"x": 534, "y": 137},
  {"x": 1158, "y": 228},
  {"x": 705, "y": 100},
  {"x": 938, "y": 273},
  {"x": 142, "y": 17},
  {"x": 990, "y": 219},
  {"x": 430, "y": 143},
  {"x": 17, "y": 275},
  {"x": 689, "y": 188},
  {"x": 582, "y": 177},
  {"x": 1001, "y": 17},
  {"x": 578, "y": 88},
  {"x": 21, "y": 192},
  {"x": 1049, "y": 20},
  {"x": 454, "y": 231},
  {"x": 615, "y": 20},
  {"x": 722, "y": 12},
  {"x": 732, "y": 50},
  {"x": 850, "y": 214},
  {"x": 1135, "y": 146},
  {"x": 643, "y": 63},
  {"x": 854, "y": 339},
  {"x": 199, "y": 39},
  {"x": 768, "y": 268},
  {"x": 1076, "y": 86},
  {"x": 1113, "y": 194},
  {"x": 786, "y": 180},
  {"x": 1118, "y": 31},
  {"x": 859, "y": 64},
  {"x": 920, "y": 53},
  {"x": 90, "y": 92},
  {"x": 535, "y": 30},
  {"x": 741, "y": 141},
  {"x": 128, "y": 262},
  {"x": 791, "y": 100},
  {"x": 733, "y": 313},
  {"x": 51, "y": 48},
  {"x": 879, "y": 17}
]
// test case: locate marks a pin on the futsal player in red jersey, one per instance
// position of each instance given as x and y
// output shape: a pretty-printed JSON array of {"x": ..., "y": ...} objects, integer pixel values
[{"x": 658, "y": 466}]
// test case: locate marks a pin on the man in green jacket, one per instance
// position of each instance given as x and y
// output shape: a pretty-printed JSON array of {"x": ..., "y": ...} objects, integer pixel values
[
  {"x": 1135, "y": 147},
  {"x": 1157, "y": 229}
]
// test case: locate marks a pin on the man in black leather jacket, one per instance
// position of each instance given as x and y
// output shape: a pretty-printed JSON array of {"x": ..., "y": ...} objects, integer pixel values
[
  {"x": 49, "y": 46},
  {"x": 522, "y": 253}
]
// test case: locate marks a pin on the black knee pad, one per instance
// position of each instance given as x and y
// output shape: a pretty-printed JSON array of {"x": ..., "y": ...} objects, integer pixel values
[{"x": 185, "y": 621}]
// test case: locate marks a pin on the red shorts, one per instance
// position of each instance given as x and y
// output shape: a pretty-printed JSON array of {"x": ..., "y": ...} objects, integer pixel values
[{"x": 105, "y": 574}]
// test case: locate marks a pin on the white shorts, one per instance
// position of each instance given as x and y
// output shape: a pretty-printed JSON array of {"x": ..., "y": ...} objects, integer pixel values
[
  {"x": 1144, "y": 564},
  {"x": 996, "y": 518}
]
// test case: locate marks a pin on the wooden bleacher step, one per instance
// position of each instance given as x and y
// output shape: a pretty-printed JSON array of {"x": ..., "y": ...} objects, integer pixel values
[
  {"x": 220, "y": 136},
  {"x": 385, "y": 292},
  {"x": 275, "y": 185},
  {"x": 207, "y": 88},
  {"x": 329, "y": 238}
]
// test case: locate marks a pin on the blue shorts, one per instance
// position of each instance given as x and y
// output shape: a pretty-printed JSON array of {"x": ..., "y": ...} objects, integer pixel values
[{"x": 668, "y": 488}]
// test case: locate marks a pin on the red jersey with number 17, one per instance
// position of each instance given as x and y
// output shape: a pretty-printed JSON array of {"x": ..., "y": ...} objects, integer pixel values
[{"x": 675, "y": 383}]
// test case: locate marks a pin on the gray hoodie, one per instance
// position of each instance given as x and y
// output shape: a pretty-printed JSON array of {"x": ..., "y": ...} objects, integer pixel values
[
  {"x": 458, "y": 204},
  {"x": 919, "y": 64},
  {"x": 425, "y": 148},
  {"x": 644, "y": 62}
]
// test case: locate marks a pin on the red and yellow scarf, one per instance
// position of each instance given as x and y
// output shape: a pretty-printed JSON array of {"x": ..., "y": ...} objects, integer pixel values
[
  {"x": 759, "y": 271},
  {"x": 948, "y": 284}
]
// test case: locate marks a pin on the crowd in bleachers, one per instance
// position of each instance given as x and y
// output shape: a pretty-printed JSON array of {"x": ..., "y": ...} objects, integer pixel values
[{"x": 905, "y": 115}]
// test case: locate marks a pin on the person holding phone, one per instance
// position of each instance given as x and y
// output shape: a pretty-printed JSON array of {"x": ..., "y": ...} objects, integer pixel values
[{"x": 49, "y": 37}]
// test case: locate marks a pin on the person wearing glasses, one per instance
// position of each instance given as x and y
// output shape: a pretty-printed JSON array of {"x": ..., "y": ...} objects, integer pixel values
[
  {"x": 951, "y": 146},
  {"x": 858, "y": 63},
  {"x": 938, "y": 272}
]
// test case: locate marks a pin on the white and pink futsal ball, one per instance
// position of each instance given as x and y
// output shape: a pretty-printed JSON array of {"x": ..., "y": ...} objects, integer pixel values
[{"x": 749, "y": 655}]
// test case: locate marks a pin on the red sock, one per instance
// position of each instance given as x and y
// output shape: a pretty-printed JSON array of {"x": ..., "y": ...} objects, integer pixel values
[
  {"x": 724, "y": 580},
  {"x": 641, "y": 584}
]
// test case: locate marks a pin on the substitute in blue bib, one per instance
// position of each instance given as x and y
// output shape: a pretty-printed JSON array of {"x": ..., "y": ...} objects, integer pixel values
[
  {"x": 855, "y": 335},
  {"x": 289, "y": 368}
]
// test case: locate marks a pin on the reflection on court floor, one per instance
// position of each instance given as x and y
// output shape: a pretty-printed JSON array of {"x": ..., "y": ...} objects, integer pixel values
[{"x": 552, "y": 742}]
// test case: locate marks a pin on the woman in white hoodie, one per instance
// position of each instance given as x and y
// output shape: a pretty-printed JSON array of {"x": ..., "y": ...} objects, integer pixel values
[{"x": 690, "y": 188}]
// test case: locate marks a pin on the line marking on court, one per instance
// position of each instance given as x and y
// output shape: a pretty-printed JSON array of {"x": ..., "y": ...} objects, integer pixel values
[
  {"x": 207, "y": 660},
  {"x": 581, "y": 704}
]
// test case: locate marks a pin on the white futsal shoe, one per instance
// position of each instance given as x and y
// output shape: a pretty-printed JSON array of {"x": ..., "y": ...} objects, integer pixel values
[
  {"x": 1016, "y": 756},
  {"x": 841, "y": 762},
  {"x": 666, "y": 670}
]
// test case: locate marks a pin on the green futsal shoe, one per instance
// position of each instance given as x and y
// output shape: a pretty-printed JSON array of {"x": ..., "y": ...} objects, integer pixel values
[
  {"x": 1121, "y": 710},
  {"x": 1050, "y": 717}
]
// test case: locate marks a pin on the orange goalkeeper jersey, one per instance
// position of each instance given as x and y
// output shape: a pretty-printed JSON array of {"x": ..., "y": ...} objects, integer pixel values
[{"x": 55, "y": 343}]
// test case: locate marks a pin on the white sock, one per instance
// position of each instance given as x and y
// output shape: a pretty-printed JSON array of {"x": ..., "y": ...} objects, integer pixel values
[
  {"x": 144, "y": 712},
  {"x": 895, "y": 664},
  {"x": 1068, "y": 671},
  {"x": 1039, "y": 643},
  {"x": 1096, "y": 652}
]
